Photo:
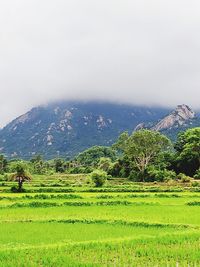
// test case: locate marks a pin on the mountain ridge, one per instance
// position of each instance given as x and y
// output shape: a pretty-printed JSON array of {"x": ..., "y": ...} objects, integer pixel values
[
  {"x": 67, "y": 128},
  {"x": 179, "y": 119}
]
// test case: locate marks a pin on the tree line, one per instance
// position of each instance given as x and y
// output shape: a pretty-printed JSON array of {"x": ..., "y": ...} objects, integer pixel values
[{"x": 143, "y": 156}]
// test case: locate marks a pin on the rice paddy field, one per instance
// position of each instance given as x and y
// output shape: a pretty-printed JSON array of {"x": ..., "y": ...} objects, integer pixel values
[{"x": 59, "y": 221}]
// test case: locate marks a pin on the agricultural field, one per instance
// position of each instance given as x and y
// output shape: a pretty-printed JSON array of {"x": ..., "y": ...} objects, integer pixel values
[{"x": 61, "y": 221}]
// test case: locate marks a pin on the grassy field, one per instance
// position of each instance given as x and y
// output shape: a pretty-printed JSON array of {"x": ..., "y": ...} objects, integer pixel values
[{"x": 62, "y": 222}]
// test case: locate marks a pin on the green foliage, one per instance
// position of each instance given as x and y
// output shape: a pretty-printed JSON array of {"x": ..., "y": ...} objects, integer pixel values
[
  {"x": 194, "y": 203},
  {"x": 183, "y": 178},
  {"x": 92, "y": 156},
  {"x": 105, "y": 164},
  {"x": 188, "y": 151},
  {"x": 39, "y": 165},
  {"x": 160, "y": 175},
  {"x": 121, "y": 142},
  {"x": 197, "y": 174},
  {"x": 144, "y": 156},
  {"x": 195, "y": 184},
  {"x": 147, "y": 156},
  {"x": 3, "y": 164},
  {"x": 20, "y": 176},
  {"x": 98, "y": 177},
  {"x": 59, "y": 165},
  {"x": 13, "y": 165},
  {"x": 143, "y": 147}
]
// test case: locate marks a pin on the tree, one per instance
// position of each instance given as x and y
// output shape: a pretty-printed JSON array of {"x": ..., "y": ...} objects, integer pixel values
[
  {"x": 188, "y": 151},
  {"x": 91, "y": 156},
  {"x": 60, "y": 165},
  {"x": 143, "y": 147},
  {"x": 39, "y": 165},
  {"x": 105, "y": 164},
  {"x": 20, "y": 176},
  {"x": 120, "y": 145},
  {"x": 3, "y": 164}
]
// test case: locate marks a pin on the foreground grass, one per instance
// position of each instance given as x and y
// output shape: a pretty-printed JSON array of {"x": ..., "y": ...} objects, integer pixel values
[
  {"x": 90, "y": 228},
  {"x": 168, "y": 250}
]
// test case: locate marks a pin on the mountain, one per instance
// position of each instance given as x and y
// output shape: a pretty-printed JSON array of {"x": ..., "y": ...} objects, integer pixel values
[
  {"x": 181, "y": 116},
  {"x": 66, "y": 128},
  {"x": 178, "y": 120}
]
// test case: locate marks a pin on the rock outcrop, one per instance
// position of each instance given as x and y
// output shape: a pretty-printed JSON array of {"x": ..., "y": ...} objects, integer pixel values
[{"x": 180, "y": 116}]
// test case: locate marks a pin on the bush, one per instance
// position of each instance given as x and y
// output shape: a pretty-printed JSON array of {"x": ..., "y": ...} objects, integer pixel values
[
  {"x": 98, "y": 177},
  {"x": 195, "y": 184},
  {"x": 134, "y": 176},
  {"x": 197, "y": 174},
  {"x": 14, "y": 189},
  {"x": 194, "y": 203},
  {"x": 152, "y": 174},
  {"x": 4, "y": 177},
  {"x": 160, "y": 175},
  {"x": 183, "y": 178}
]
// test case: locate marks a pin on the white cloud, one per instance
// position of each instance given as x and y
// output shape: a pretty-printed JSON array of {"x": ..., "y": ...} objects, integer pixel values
[{"x": 141, "y": 52}]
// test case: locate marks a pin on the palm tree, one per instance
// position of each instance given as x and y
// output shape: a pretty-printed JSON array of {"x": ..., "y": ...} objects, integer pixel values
[{"x": 20, "y": 175}]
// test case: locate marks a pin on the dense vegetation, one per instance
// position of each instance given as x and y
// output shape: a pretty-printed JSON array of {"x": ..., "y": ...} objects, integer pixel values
[{"x": 144, "y": 156}]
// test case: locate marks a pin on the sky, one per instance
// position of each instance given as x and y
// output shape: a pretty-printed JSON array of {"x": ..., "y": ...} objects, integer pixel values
[{"x": 128, "y": 51}]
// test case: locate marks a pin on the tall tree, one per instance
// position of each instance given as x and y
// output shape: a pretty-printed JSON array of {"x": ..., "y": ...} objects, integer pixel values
[{"x": 143, "y": 147}]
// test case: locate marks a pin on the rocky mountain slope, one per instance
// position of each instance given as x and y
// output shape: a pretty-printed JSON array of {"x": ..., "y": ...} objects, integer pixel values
[
  {"x": 178, "y": 120},
  {"x": 66, "y": 128},
  {"x": 181, "y": 116}
]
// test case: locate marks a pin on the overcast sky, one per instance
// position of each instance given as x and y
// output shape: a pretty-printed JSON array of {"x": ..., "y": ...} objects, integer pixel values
[{"x": 136, "y": 51}]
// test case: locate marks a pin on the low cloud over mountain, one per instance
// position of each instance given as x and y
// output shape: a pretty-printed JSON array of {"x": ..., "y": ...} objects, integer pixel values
[{"x": 140, "y": 52}]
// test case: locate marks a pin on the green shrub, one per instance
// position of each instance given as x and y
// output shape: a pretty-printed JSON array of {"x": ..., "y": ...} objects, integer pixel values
[
  {"x": 195, "y": 184},
  {"x": 194, "y": 203},
  {"x": 160, "y": 175},
  {"x": 183, "y": 178},
  {"x": 134, "y": 176},
  {"x": 14, "y": 189},
  {"x": 197, "y": 174},
  {"x": 4, "y": 177},
  {"x": 98, "y": 178}
]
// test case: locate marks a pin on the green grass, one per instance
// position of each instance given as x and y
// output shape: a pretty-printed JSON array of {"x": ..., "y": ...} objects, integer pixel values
[
  {"x": 65, "y": 232},
  {"x": 119, "y": 225}
]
